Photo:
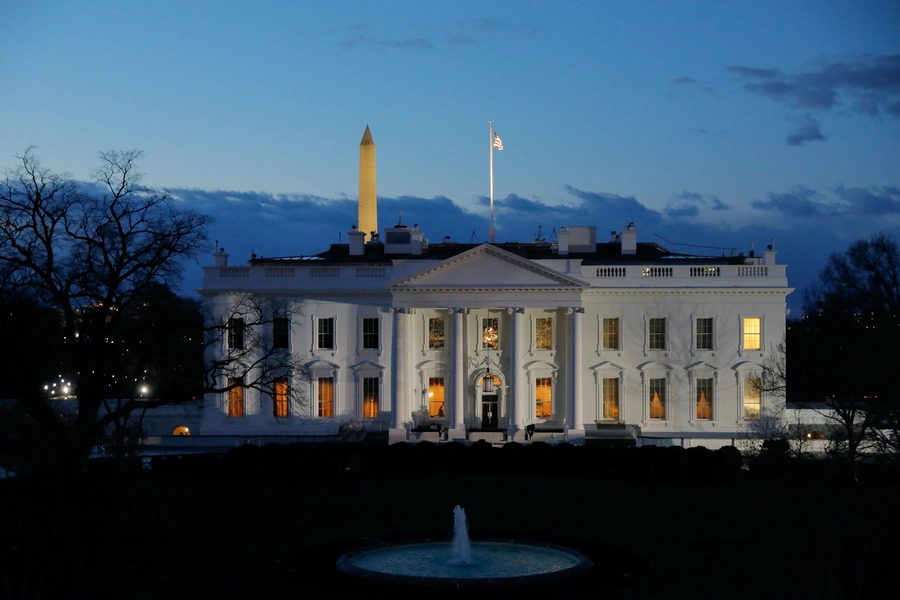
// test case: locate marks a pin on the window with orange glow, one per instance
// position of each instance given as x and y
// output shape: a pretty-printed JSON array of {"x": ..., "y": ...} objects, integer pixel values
[
  {"x": 370, "y": 397},
  {"x": 436, "y": 397},
  {"x": 752, "y": 333},
  {"x": 543, "y": 398},
  {"x": 611, "y": 398},
  {"x": 326, "y": 396},
  {"x": 235, "y": 397},
  {"x": 751, "y": 398},
  {"x": 280, "y": 397},
  {"x": 544, "y": 334},
  {"x": 658, "y": 398},
  {"x": 704, "y": 398}
]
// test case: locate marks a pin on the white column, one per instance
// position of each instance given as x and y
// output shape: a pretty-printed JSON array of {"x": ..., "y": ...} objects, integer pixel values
[
  {"x": 575, "y": 412},
  {"x": 458, "y": 367},
  {"x": 518, "y": 389},
  {"x": 399, "y": 393}
]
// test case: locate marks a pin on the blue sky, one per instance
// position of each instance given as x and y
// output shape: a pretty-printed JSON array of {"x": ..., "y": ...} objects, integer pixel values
[{"x": 714, "y": 123}]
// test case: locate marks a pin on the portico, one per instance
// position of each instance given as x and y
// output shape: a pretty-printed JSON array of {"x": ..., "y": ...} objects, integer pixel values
[{"x": 504, "y": 374}]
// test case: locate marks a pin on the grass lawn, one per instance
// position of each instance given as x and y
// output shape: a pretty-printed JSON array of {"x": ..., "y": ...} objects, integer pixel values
[{"x": 165, "y": 537}]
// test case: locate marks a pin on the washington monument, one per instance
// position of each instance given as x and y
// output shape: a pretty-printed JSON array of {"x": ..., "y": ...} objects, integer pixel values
[{"x": 368, "y": 210}]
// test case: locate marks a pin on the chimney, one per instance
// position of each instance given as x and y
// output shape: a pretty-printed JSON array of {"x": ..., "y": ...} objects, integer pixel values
[
  {"x": 357, "y": 242},
  {"x": 769, "y": 254},
  {"x": 629, "y": 239},
  {"x": 221, "y": 257},
  {"x": 563, "y": 237}
]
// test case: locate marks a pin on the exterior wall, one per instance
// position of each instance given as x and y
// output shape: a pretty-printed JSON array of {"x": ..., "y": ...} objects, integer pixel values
[{"x": 634, "y": 294}]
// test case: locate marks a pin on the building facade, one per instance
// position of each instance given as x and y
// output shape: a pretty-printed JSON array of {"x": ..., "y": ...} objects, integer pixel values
[{"x": 572, "y": 340}]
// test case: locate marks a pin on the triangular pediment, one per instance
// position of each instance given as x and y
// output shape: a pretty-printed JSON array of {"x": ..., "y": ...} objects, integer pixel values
[{"x": 486, "y": 268}]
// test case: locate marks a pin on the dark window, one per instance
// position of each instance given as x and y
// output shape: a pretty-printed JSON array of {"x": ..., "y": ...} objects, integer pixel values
[
  {"x": 236, "y": 333},
  {"x": 281, "y": 332},
  {"x": 370, "y": 333}
]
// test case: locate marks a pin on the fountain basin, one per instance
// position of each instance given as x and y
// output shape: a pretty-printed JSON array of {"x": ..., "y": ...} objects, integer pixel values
[{"x": 495, "y": 562}]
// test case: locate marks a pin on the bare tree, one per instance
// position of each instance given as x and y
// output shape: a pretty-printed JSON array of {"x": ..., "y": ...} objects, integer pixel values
[
  {"x": 852, "y": 314},
  {"x": 247, "y": 348},
  {"x": 90, "y": 257}
]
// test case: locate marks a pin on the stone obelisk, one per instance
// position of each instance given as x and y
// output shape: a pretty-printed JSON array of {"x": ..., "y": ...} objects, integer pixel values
[{"x": 368, "y": 210}]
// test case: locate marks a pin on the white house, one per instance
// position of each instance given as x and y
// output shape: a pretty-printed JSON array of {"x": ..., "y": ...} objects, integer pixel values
[{"x": 579, "y": 339}]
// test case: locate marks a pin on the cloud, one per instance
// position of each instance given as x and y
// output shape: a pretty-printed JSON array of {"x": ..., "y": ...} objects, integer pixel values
[
  {"x": 873, "y": 202},
  {"x": 808, "y": 131},
  {"x": 804, "y": 203},
  {"x": 686, "y": 204},
  {"x": 866, "y": 85},
  {"x": 684, "y": 81},
  {"x": 360, "y": 37},
  {"x": 801, "y": 203}
]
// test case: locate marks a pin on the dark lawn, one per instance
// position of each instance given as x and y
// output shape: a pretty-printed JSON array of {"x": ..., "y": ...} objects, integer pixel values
[{"x": 156, "y": 537}]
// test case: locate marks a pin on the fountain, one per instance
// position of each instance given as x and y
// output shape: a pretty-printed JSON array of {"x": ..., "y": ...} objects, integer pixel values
[{"x": 462, "y": 562}]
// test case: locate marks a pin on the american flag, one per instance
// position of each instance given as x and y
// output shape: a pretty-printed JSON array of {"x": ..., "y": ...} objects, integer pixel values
[{"x": 497, "y": 143}]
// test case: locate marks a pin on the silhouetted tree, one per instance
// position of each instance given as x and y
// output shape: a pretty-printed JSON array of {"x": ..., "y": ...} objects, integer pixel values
[
  {"x": 843, "y": 359},
  {"x": 90, "y": 258}
]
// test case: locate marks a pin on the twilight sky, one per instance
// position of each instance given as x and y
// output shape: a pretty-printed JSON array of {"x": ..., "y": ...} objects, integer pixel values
[{"x": 709, "y": 123}]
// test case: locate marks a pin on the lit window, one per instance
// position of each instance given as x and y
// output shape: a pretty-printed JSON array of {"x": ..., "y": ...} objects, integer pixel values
[
  {"x": 489, "y": 333},
  {"x": 704, "y": 334},
  {"x": 436, "y": 397},
  {"x": 611, "y": 334},
  {"x": 325, "y": 392},
  {"x": 370, "y": 397},
  {"x": 236, "y": 333},
  {"x": 235, "y": 397},
  {"x": 281, "y": 332},
  {"x": 752, "y": 333},
  {"x": 543, "y": 398},
  {"x": 325, "y": 334},
  {"x": 752, "y": 394},
  {"x": 370, "y": 333},
  {"x": 280, "y": 396},
  {"x": 436, "y": 333},
  {"x": 658, "y": 398},
  {"x": 704, "y": 398},
  {"x": 181, "y": 430},
  {"x": 658, "y": 334},
  {"x": 544, "y": 334},
  {"x": 611, "y": 398}
]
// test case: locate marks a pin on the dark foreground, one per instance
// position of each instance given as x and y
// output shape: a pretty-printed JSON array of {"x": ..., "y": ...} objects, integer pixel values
[{"x": 267, "y": 535}]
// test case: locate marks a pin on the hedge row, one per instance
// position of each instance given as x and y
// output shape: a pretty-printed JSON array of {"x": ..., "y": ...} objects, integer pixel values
[{"x": 648, "y": 464}]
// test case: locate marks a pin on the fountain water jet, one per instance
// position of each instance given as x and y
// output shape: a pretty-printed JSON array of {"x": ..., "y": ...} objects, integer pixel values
[
  {"x": 464, "y": 563},
  {"x": 462, "y": 548}
]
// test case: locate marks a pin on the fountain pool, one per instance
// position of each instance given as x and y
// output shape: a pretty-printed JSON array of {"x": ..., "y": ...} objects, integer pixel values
[{"x": 463, "y": 562}]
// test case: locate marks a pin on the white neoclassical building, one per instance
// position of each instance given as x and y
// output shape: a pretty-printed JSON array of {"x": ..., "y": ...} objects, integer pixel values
[{"x": 575, "y": 340}]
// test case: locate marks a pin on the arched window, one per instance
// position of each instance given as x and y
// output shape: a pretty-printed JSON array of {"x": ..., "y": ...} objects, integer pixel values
[{"x": 181, "y": 430}]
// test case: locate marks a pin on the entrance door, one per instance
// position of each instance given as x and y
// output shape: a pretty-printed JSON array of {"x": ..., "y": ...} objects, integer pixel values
[{"x": 490, "y": 412}]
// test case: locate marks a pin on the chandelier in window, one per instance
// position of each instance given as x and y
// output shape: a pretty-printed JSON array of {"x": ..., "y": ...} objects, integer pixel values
[{"x": 489, "y": 337}]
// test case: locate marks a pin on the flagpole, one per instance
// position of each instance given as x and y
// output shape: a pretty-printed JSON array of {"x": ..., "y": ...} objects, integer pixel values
[{"x": 491, "y": 232}]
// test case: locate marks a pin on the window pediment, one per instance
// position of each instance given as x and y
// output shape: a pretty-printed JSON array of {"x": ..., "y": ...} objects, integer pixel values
[
  {"x": 367, "y": 365},
  {"x": 652, "y": 365},
  {"x": 607, "y": 365}
]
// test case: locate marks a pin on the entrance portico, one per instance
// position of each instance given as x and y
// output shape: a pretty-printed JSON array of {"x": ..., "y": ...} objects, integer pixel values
[{"x": 493, "y": 302}]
